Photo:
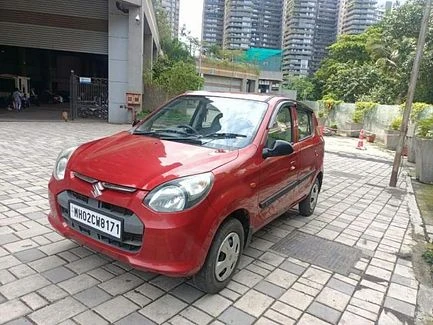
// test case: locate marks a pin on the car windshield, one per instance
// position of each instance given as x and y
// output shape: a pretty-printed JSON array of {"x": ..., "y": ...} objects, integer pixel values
[{"x": 214, "y": 122}]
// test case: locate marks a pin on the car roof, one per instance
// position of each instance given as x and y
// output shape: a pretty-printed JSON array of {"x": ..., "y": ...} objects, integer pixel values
[
  {"x": 250, "y": 96},
  {"x": 266, "y": 98}
]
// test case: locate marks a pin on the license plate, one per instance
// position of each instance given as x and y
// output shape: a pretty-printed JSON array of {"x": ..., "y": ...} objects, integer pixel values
[{"x": 95, "y": 220}]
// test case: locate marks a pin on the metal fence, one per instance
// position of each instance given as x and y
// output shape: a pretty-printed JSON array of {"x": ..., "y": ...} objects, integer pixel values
[{"x": 88, "y": 97}]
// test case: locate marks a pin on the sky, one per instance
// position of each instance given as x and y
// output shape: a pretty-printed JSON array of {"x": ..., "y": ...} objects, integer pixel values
[{"x": 190, "y": 14}]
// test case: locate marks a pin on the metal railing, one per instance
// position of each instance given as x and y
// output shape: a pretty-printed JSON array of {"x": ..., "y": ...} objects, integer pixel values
[{"x": 88, "y": 97}]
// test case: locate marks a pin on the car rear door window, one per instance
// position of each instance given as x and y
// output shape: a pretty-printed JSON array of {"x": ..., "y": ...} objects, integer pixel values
[{"x": 305, "y": 123}]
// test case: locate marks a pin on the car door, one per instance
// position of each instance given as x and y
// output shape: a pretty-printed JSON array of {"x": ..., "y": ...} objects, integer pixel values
[
  {"x": 278, "y": 175},
  {"x": 307, "y": 148}
]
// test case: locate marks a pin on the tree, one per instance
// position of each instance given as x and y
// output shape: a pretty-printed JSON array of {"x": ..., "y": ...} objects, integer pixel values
[
  {"x": 303, "y": 86},
  {"x": 174, "y": 70},
  {"x": 376, "y": 64},
  {"x": 179, "y": 78}
]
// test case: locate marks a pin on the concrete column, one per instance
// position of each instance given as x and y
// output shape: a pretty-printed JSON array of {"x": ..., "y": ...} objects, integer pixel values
[
  {"x": 135, "y": 50},
  {"x": 118, "y": 44},
  {"x": 131, "y": 39},
  {"x": 148, "y": 52},
  {"x": 244, "y": 85}
]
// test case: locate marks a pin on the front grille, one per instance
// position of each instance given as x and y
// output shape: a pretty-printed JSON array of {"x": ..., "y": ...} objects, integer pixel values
[{"x": 133, "y": 228}]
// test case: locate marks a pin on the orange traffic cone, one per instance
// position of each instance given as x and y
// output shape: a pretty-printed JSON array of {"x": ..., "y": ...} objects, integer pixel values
[{"x": 360, "y": 145}]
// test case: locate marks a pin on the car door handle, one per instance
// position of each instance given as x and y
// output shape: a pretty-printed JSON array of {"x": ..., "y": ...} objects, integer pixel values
[{"x": 292, "y": 165}]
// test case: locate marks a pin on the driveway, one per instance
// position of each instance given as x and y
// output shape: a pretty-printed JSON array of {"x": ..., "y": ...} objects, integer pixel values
[{"x": 349, "y": 263}]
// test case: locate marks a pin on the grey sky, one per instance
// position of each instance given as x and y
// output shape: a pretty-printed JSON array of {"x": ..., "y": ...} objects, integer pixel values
[{"x": 190, "y": 14}]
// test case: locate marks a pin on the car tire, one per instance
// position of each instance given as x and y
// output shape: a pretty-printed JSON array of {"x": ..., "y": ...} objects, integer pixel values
[
  {"x": 307, "y": 205},
  {"x": 222, "y": 259}
]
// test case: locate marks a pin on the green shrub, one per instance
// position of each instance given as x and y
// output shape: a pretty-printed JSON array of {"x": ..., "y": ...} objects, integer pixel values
[
  {"x": 361, "y": 110},
  {"x": 396, "y": 123},
  {"x": 428, "y": 255},
  {"x": 417, "y": 110},
  {"x": 327, "y": 104},
  {"x": 425, "y": 128}
]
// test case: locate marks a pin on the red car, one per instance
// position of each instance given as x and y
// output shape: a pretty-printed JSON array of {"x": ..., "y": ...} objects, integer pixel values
[{"x": 183, "y": 191}]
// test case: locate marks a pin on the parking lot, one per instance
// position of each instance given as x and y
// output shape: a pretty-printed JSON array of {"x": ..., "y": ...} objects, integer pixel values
[{"x": 349, "y": 263}]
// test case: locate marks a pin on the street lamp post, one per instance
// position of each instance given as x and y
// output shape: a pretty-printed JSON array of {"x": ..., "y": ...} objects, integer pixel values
[{"x": 410, "y": 93}]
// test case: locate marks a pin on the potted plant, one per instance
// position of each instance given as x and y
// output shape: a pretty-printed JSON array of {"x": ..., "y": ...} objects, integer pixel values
[
  {"x": 424, "y": 150},
  {"x": 418, "y": 111},
  {"x": 393, "y": 133},
  {"x": 361, "y": 111},
  {"x": 371, "y": 137}
]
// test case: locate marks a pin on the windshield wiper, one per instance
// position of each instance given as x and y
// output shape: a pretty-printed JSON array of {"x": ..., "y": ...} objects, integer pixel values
[
  {"x": 192, "y": 140},
  {"x": 224, "y": 136},
  {"x": 150, "y": 133}
]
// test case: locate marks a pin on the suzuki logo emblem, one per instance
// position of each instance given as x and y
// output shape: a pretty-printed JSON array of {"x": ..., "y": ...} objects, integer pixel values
[{"x": 97, "y": 189}]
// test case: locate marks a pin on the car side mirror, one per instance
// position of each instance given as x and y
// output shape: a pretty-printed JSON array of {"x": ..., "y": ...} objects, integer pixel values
[{"x": 280, "y": 148}]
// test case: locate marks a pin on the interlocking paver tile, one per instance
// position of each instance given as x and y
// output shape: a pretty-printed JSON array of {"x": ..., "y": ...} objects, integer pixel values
[
  {"x": 34, "y": 301},
  {"x": 89, "y": 317},
  {"x": 12, "y": 309},
  {"x": 52, "y": 293},
  {"x": 400, "y": 306},
  {"x": 86, "y": 264},
  {"x": 8, "y": 261},
  {"x": 403, "y": 293},
  {"x": 78, "y": 283},
  {"x": 235, "y": 316},
  {"x": 196, "y": 315},
  {"x": 213, "y": 304},
  {"x": 57, "y": 312},
  {"x": 270, "y": 289},
  {"x": 121, "y": 284},
  {"x": 333, "y": 298},
  {"x": 324, "y": 312},
  {"x": 23, "y": 286},
  {"x": 163, "y": 309},
  {"x": 187, "y": 293},
  {"x": 254, "y": 303},
  {"x": 349, "y": 318},
  {"x": 134, "y": 318},
  {"x": 29, "y": 255},
  {"x": 92, "y": 297},
  {"x": 116, "y": 308},
  {"x": 296, "y": 299}
]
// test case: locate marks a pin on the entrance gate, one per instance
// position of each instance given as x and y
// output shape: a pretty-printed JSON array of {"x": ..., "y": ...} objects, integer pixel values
[{"x": 88, "y": 97}]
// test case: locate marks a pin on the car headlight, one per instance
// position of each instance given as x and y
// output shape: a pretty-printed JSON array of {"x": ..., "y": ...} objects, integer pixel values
[
  {"x": 179, "y": 194},
  {"x": 62, "y": 162}
]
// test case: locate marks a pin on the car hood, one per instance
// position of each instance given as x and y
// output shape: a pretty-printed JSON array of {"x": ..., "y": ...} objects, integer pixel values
[{"x": 144, "y": 162}]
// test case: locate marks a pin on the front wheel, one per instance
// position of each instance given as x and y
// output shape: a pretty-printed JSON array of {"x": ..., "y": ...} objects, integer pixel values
[
  {"x": 222, "y": 259},
  {"x": 307, "y": 205}
]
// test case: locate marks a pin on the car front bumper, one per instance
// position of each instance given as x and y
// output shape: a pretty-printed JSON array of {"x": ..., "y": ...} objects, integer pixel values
[{"x": 173, "y": 244}]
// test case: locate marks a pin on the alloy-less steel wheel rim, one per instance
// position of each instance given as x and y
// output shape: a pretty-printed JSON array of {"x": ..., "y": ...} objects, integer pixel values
[
  {"x": 314, "y": 195},
  {"x": 227, "y": 257}
]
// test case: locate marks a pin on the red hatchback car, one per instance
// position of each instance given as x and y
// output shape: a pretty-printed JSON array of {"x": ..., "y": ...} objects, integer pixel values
[{"x": 183, "y": 191}]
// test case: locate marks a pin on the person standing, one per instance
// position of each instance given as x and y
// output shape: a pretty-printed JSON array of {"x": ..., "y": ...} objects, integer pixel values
[{"x": 17, "y": 99}]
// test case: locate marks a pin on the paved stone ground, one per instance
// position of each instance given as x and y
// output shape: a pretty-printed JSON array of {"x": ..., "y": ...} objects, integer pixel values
[{"x": 45, "y": 279}]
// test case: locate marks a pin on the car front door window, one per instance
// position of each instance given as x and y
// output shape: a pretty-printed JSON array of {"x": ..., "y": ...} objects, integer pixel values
[{"x": 281, "y": 127}]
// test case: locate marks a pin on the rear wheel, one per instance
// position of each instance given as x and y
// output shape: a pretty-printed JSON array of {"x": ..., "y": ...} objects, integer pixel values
[
  {"x": 307, "y": 205},
  {"x": 222, "y": 259}
]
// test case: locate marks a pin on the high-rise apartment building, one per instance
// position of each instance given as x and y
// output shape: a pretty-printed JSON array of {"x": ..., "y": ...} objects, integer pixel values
[
  {"x": 241, "y": 24},
  {"x": 310, "y": 27},
  {"x": 171, "y": 8},
  {"x": 213, "y": 22},
  {"x": 356, "y": 15}
]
